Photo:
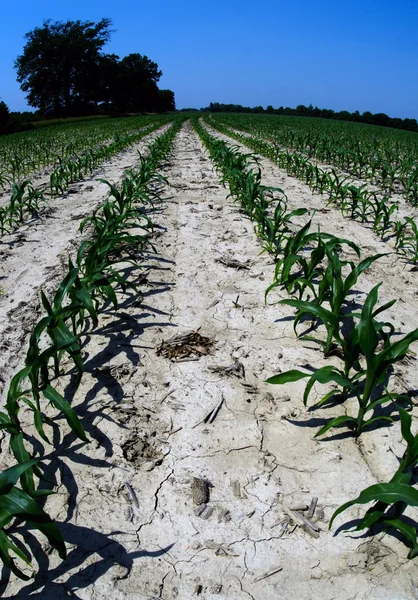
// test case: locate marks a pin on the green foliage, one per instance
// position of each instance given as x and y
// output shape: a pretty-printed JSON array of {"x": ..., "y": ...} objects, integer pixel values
[
  {"x": 64, "y": 72},
  {"x": 59, "y": 66},
  {"x": 390, "y": 499}
]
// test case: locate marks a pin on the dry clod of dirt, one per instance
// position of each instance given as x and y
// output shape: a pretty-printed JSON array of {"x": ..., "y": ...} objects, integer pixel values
[{"x": 200, "y": 491}]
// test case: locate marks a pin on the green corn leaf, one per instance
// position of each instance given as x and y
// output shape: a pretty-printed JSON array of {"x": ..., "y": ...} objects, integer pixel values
[
  {"x": 336, "y": 423},
  {"x": 325, "y": 375},
  {"x": 379, "y": 401},
  {"x": 22, "y": 456},
  {"x": 287, "y": 377},
  {"x": 65, "y": 285},
  {"x": 406, "y": 422},
  {"x": 387, "y": 493},
  {"x": 65, "y": 338},
  {"x": 9, "y": 477},
  {"x": 62, "y": 405},
  {"x": 14, "y": 391},
  {"x": 367, "y": 333},
  {"x": 297, "y": 212},
  {"x": 5, "y": 546},
  {"x": 384, "y": 307},
  {"x": 45, "y": 303},
  {"x": 374, "y": 419},
  {"x": 354, "y": 275},
  {"x": 20, "y": 504},
  {"x": 400, "y": 348},
  {"x": 6, "y": 423},
  {"x": 39, "y": 425},
  {"x": 407, "y": 531},
  {"x": 84, "y": 296}
]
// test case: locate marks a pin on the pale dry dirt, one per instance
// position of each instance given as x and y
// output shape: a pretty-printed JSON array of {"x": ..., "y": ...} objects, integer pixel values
[{"x": 173, "y": 499}]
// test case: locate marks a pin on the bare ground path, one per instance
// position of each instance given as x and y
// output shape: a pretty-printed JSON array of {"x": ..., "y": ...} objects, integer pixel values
[{"x": 174, "y": 499}]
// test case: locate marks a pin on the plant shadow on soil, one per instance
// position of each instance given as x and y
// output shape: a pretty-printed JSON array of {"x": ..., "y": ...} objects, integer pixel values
[
  {"x": 86, "y": 543},
  {"x": 119, "y": 334},
  {"x": 371, "y": 533}
]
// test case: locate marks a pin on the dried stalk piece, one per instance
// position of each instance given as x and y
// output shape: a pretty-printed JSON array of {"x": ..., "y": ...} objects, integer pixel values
[
  {"x": 131, "y": 494},
  {"x": 234, "y": 264},
  {"x": 212, "y": 415},
  {"x": 268, "y": 574},
  {"x": 236, "y": 489},
  {"x": 312, "y": 508},
  {"x": 311, "y": 528}
]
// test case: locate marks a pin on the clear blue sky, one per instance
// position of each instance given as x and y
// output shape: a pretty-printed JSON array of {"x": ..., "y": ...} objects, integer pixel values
[{"x": 353, "y": 55}]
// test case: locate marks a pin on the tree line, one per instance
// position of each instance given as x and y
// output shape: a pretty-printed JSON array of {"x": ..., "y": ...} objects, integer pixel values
[
  {"x": 65, "y": 73},
  {"x": 324, "y": 113}
]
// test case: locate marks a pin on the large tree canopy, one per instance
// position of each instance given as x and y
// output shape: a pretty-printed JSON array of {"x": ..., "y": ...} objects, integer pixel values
[
  {"x": 137, "y": 88},
  {"x": 64, "y": 71},
  {"x": 59, "y": 67}
]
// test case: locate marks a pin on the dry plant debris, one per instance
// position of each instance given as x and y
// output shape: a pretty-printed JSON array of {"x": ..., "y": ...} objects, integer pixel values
[
  {"x": 188, "y": 346},
  {"x": 234, "y": 264}
]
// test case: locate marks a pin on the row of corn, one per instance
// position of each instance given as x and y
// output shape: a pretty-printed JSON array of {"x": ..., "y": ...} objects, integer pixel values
[
  {"x": 387, "y": 158},
  {"x": 25, "y": 200},
  {"x": 25, "y": 153},
  {"x": 354, "y": 201},
  {"x": 320, "y": 283},
  {"x": 119, "y": 231}
]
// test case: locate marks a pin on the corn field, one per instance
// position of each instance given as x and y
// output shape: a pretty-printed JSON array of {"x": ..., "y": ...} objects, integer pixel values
[{"x": 281, "y": 253}]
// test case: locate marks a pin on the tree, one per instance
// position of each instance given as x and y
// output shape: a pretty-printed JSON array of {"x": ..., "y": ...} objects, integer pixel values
[
  {"x": 4, "y": 113},
  {"x": 60, "y": 65},
  {"x": 136, "y": 87},
  {"x": 166, "y": 101}
]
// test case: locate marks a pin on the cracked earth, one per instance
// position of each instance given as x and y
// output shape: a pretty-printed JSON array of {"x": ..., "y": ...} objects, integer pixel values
[{"x": 127, "y": 505}]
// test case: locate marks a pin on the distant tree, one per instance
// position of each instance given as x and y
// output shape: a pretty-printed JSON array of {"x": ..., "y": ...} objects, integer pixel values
[
  {"x": 381, "y": 119},
  {"x": 166, "y": 101},
  {"x": 136, "y": 87},
  {"x": 60, "y": 65},
  {"x": 4, "y": 113},
  {"x": 302, "y": 110},
  {"x": 367, "y": 117},
  {"x": 410, "y": 124},
  {"x": 108, "y": 81},
  {"x": 343, "y": 115}
]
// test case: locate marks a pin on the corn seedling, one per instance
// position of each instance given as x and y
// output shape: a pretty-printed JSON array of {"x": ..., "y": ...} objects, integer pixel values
[
  {"x": 369, "y": 339},
  {"x": 390, "y": 499},
  {"x": 407, "y": 239}
]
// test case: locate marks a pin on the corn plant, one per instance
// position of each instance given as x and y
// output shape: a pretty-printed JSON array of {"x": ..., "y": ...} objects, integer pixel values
[
  {"x": 369, "y": 342},
  {"x": 274, "y": 230},
  {"x": 407, "y": 239},
  {"x": 334, "y": 289},
  {"x": 16, "y": 503},
  {"x": 390, "y": 499}
]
